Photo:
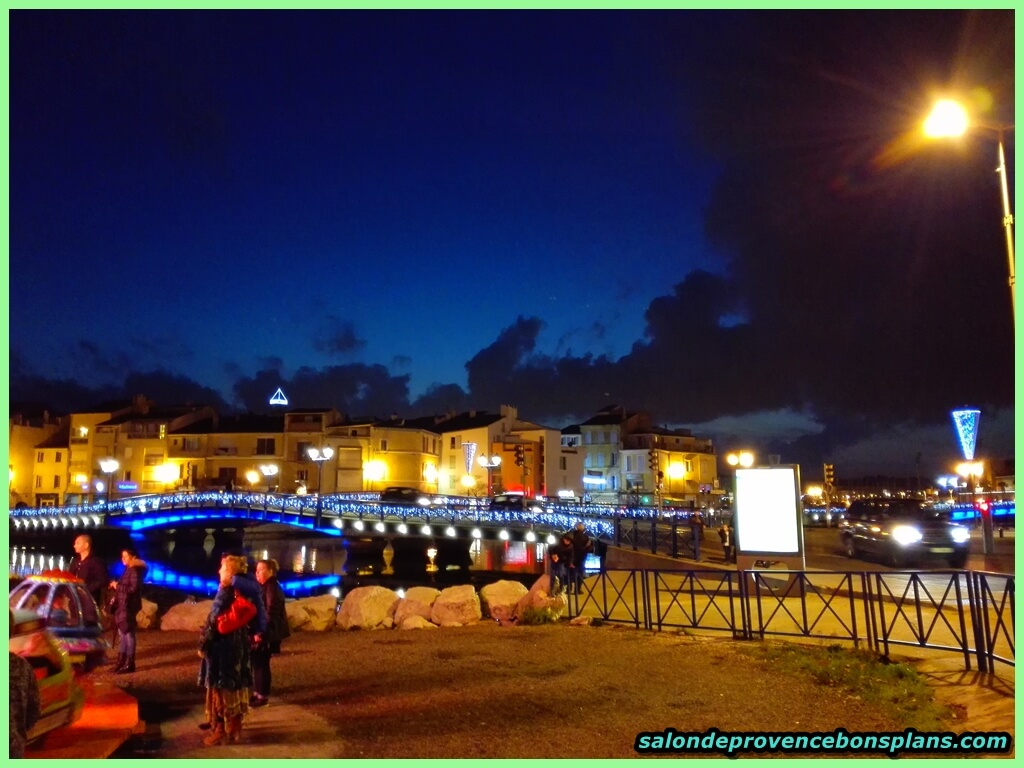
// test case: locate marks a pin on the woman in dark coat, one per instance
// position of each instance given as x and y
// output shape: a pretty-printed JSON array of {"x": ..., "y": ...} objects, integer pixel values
[
  {"x": 277, "y": 630},
  {"x": 127, "y": 604},
  {"x": 225, "y": 670}
]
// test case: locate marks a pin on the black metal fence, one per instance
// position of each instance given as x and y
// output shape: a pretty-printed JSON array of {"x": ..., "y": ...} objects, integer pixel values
[{"x": 969, "y": 613}]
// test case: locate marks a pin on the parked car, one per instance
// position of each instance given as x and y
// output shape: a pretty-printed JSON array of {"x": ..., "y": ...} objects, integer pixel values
[
  {"x": 401, "y": 495},
  {"x": 516, "y": 502},
  {"x": 902, "y": 532},
  {"x": 66, "y": 607},
  {"x": 61, "y": 699}
]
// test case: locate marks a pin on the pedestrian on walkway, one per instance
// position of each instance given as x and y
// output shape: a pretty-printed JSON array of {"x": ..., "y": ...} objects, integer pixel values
[
  {"x": 127, "y": 604},
  {"x": 725, "y": 534},
  {"x": 560, "y": 555},
  {"x": 225, "y": 670},
  {"x": 582, "y": 545},
  {"x": 89, "y": 568},
  {"x": 696, "y": 532},
  {"x": 269, "y": 643}
]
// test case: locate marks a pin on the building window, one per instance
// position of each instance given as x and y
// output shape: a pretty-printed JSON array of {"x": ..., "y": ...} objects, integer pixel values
[
  {"x": 303, "y": 451},
  {"x": 451, "y": 442},
  {"x": 451, "y": 463},
  {"x": 562, "y": 462},
  {"x": 56, "y": 481},
  {"x": 600, "y": 459},
  {"x": 58, "y": 457},
  {"x": 383, "y": 444},
  {"x": 39, "y": 481},
  {"x": 41, "y": 457},
  {"x": 154, "y": 459},
  {"x": 265, "y": 446},
  {"x": 302, "y": 475},
  {"x": 688, "y": 463},
  {"x": 586, "y": 460},
  {"x": 190, "y": 444}
]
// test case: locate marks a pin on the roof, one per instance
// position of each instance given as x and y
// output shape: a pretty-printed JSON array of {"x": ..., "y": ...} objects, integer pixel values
[
  {"x": 59, "y": 439},
  {"x": 239, "y": 423},
  {"x": 572, "y": 429},
  {"x": 467, "y": 420}
]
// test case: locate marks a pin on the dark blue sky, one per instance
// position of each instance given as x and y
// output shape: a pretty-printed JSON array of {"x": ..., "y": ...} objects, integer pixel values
[{"x": 697, "y": 213}]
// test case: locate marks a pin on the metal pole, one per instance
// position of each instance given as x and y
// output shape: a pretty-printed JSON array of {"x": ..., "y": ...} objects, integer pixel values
[
  {"x": 319, "y": 492},
  {"x": 1007, "y": 224}
]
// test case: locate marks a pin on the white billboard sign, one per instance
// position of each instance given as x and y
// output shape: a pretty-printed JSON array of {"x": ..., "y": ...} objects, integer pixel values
[{"x": 767, "y": 512}]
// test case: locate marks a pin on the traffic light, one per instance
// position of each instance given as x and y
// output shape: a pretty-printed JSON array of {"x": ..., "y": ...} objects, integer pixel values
[
  {"x": 652, "y": 460},
  {"x": 830, "y": 476},
  {"x": 520, "y": 452}
]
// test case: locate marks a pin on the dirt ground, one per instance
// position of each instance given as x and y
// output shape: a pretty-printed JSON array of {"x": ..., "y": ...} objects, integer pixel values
[{"x": 551, "y": 691}]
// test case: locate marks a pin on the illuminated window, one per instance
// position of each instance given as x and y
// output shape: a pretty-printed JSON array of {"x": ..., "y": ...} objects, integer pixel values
[{"x": 163, "y": 431}]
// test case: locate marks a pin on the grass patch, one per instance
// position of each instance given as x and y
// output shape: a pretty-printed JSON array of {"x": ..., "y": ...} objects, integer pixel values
[{"x": 896, "y": 688}]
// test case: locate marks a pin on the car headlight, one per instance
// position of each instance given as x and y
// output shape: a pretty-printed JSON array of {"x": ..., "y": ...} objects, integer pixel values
[
  {"x": 960, "y": 534},
  {"x": 906, "y": 534}
]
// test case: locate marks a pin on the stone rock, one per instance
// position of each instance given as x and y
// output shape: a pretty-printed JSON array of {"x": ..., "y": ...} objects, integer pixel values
[
  {"x": 417, "y": 602},
  {"x": 298, "y": 619},
  {"x": 189, "y": 617},
  {"x": 498, "y": 600},
  {"x": 537, "y": 606},
  {"x": 367, "y": 607},
  {"x": 580, "y": 621},
  {"x": 146, "y": 618},
  {"x": 321, "y": 611},
  {"x": 542, "y": 584},
  {"x": 459, "y": 604},
  {"x": 413, "y": 621}
]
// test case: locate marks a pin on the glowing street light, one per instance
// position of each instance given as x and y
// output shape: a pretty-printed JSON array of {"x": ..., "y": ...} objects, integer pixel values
[
  {"x": 949, "y": 119},
  {"x": 740, "y": 459},
  {"x": 974, "y": 471},
  {"x": 320, "y": 456},
  {"x": 268, "y": 471},
  {"x": 489, "y": 463},
  {"x": 109, "y": 466}
]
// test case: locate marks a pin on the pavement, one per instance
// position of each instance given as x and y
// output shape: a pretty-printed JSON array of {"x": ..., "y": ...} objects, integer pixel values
[{"x": 109, "y": 719}]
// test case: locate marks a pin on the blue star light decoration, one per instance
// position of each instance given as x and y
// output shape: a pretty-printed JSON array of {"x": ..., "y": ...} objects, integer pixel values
[{"x": 966, "y": 423}]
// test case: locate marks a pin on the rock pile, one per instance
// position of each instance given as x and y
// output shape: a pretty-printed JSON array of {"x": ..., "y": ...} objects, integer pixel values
[{"x": 507, "y": 602}]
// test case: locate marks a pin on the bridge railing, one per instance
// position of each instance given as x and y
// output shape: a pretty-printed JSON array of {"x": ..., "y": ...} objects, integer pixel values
[{"x": 967, "y": 613}]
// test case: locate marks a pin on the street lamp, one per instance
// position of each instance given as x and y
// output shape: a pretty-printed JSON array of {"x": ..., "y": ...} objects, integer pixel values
[
  {"x": 109, "y": 466},
  {"x": 253, "y": 477},
  {"x": 740, "y": 459},
  {"x": 320, "y": 456},
  {"x": 949, "y": 119},
  {"x": 972, "y": 471},
  {"x": 489, "y": 463},
  {"x": 268, "y": 471}
]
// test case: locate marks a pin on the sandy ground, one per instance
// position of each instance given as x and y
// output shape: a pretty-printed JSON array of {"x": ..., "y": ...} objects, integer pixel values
[{"x": 515, "y": 692}]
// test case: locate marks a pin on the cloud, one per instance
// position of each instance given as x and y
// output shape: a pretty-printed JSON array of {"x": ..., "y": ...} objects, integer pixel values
[{"x": 337, "y": 337}]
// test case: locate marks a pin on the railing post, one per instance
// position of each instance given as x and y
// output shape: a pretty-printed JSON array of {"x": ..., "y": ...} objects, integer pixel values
[
  {"x": 634, "y": 535},
  {"x": 618, "y": 531},
  {"x": 654, "y": 535},
  {"x": 979, "y": 614},
  {"x": 675, "y": 536}
]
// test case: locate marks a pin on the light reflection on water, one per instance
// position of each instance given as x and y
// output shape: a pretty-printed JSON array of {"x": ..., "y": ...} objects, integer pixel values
[{"x": 197, "y": 553}]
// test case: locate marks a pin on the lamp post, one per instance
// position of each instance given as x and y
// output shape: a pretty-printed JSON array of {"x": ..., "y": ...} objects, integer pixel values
[
  {"x": 268, "y": 471},
  {"x": 109, "y": 466},
  {"x": 949, "y": 119},
  {"x": 971, "y": 471},
  {"x": 320, "y": 456},
  {"x": 489, "y": 463}
]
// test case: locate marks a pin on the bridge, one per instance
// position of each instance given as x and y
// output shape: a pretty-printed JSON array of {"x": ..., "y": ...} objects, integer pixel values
[{"x": 353, "y": 514}]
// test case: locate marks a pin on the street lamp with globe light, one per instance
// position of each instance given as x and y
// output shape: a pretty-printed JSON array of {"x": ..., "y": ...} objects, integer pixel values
[
  {"x": 742, "y": 458},
  {"x": 489, "y": 463},
  {"x": 109, "y": 466},
  {"x": 949, "y": 119},
  {"x": 320, "y": 456},
  {"x": 268, "y": 471}
]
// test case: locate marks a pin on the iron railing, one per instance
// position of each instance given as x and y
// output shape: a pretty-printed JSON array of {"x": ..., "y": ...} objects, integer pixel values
[{"x": 970, "y": 613}]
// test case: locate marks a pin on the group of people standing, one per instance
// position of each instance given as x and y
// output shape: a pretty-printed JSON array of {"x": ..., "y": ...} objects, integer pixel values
[
  {"x": 236, "y": 645},
  {"x": 235, "y": 657},
  {"x": 568, "y": 557}
]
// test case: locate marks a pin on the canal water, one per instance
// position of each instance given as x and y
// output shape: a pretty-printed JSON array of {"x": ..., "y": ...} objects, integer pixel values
[{"x": 187, "y": 559}]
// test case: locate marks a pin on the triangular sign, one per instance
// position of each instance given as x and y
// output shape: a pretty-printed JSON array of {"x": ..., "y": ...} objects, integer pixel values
[{"x": 278, "y": 398}]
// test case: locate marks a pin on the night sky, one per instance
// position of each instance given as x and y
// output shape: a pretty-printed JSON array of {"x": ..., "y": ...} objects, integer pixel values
[{"x": 726, "y": 218}]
